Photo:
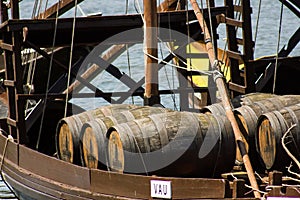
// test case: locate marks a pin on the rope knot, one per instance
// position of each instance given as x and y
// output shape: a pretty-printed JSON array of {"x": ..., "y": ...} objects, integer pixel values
[{"x": 217, "y": 74}]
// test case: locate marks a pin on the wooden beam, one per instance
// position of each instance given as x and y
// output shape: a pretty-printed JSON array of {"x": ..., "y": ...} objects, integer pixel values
[
  {"x": 41, "y": 31},
  {"x": 225, "y": 99},
  {"x": 62, "y": 6},
  {"x": 151, "y": 96}
]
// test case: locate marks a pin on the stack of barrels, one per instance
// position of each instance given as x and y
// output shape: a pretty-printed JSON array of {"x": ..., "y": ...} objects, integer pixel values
[
  {"x": 147, "y": 140},
  {"x": 159, "y": 141}
]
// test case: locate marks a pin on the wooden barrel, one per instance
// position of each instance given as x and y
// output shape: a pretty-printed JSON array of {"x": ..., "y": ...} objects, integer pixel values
[
  {"x": 247, "y": 117},
  {"x": 215, "y": 109},
  {"x": 180, "y": 144},
  {"x": 270, "y": 129},
  {"x": 68, "y": 130},
  {"x": 247, "y": 99},
  {"x": 93, "y": 133}
]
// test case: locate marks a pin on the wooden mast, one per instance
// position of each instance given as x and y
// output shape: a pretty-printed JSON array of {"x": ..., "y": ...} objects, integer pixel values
[
  {"x": 219, "y": 79},
  {"x": 151, "y": 96}
]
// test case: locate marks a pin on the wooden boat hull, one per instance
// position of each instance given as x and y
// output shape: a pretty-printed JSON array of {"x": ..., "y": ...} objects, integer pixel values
[{"x": 34, "y": 175}]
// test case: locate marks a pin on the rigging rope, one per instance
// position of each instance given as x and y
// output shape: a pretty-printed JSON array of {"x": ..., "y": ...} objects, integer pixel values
[
  {"x": 11, "y": 139},
  {"x": 48, "y": 79},
  {"x": 257, "y": 23},
  {"x": 238, "y": 17},
  {"x": 161, "y": 52},
  {"x": 46, "y": 5},
  {"x": 71, "y": 56},
  {"x": 211, "y": 30},
  {"x": 277, "y": 50},
  {"x": 179, "y": 67},
  {"x": 127, "y": 51},
  {"x": 34, "y": 8}
]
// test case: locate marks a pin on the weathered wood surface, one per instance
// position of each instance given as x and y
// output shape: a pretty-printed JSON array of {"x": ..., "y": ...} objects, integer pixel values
[
  {"x": 93, "y": 133},
  {"x": 270, "y": 129},
  {"x": 247, "y": 117},
  {"x": 172, "y": 144},
  {"x": 135, "y": 186},
  {"x": 10, "y": 150},
  {"x": 242, "y": 100},
  {"x": 68, "y": 130},
  {"x": 41, "y": 31},
  {"x": 62, "y": 6}
]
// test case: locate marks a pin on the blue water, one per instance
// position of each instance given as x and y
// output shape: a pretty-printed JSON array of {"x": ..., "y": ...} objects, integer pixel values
[{"x": 266, "y": 43}]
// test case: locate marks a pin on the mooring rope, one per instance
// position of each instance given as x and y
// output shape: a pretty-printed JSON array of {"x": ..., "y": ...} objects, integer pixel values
[{"x": 11, "y": 139}]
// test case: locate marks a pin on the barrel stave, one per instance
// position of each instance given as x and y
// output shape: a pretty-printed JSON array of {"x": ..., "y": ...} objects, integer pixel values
[
  {"x": 179, "y": 156},
  {"x": 75, "y": 123},
  {"x": 271, "y": 128}
]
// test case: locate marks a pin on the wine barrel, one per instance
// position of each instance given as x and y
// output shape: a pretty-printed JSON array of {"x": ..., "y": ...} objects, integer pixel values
[
  {"x": 215, "y": 109},
  {"x": 180, "y": 144},
  {"x": 247, "y": 99},
  {"x": 68, "y": 130},
  {"x": 93, "y": 133},
  {"x": 247, "y": 117},
  {"x": 270, "y": 129}
]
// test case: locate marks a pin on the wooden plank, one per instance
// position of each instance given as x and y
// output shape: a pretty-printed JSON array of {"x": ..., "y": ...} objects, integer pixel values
[
  {"x": 63, "y": 5},
  {"x": 6, "y": 46},
  {"x": 239, "y": 88},
  {"x": 11, "y": 153},
  {"x": 58, "y": 170},
  {"x": 238, "y": 8},
  {"x": 37, "y": 187},
  {"x": 41, "y": 31},
  {"x": 9, "y": 83},
  {"x": 230, "y": 21},
  {"x": 234, "y": 55},
  {"x": 11, "y": 122},
  {"x": 137, "y": 186}
]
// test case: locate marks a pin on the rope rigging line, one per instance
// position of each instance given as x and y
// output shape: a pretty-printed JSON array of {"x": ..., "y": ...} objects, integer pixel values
[
  {"x": 71, "y": 57},
  {"x": 211, "y": 30},
  {"x": 127, "y": 51},
  {"x": 257, "y": 23},
  {"x": 189, "y": 48},
  {"x": 34, "y": 8},
  {"x": 48, "y": 79},
  {"x": 11, "y": 139},
  {"x": 46, "y": 5},
  {"x": 238, "y": 17},
  {"x": 160, "y": 60},
  {"x": 30, "y": 76},
  {"x": 39, "y": 8},
  {"x": 161, "y": 52},
  {"x": 277, "y": 50},
  {"x": 179, "y": 67}
]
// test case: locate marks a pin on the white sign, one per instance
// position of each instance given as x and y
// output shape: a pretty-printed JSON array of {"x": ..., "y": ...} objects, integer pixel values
[{"x": 161, "y": 189}]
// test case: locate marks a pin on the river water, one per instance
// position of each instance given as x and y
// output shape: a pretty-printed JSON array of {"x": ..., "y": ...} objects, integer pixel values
[{"x": 266, "y": 42}]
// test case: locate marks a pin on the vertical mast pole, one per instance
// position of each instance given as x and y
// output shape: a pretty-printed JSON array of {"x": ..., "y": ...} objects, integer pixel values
[
  {"x": 3, "y": 10},
  {"x": 225, "y": 99},
  {"x": 151, "y": 96}
]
